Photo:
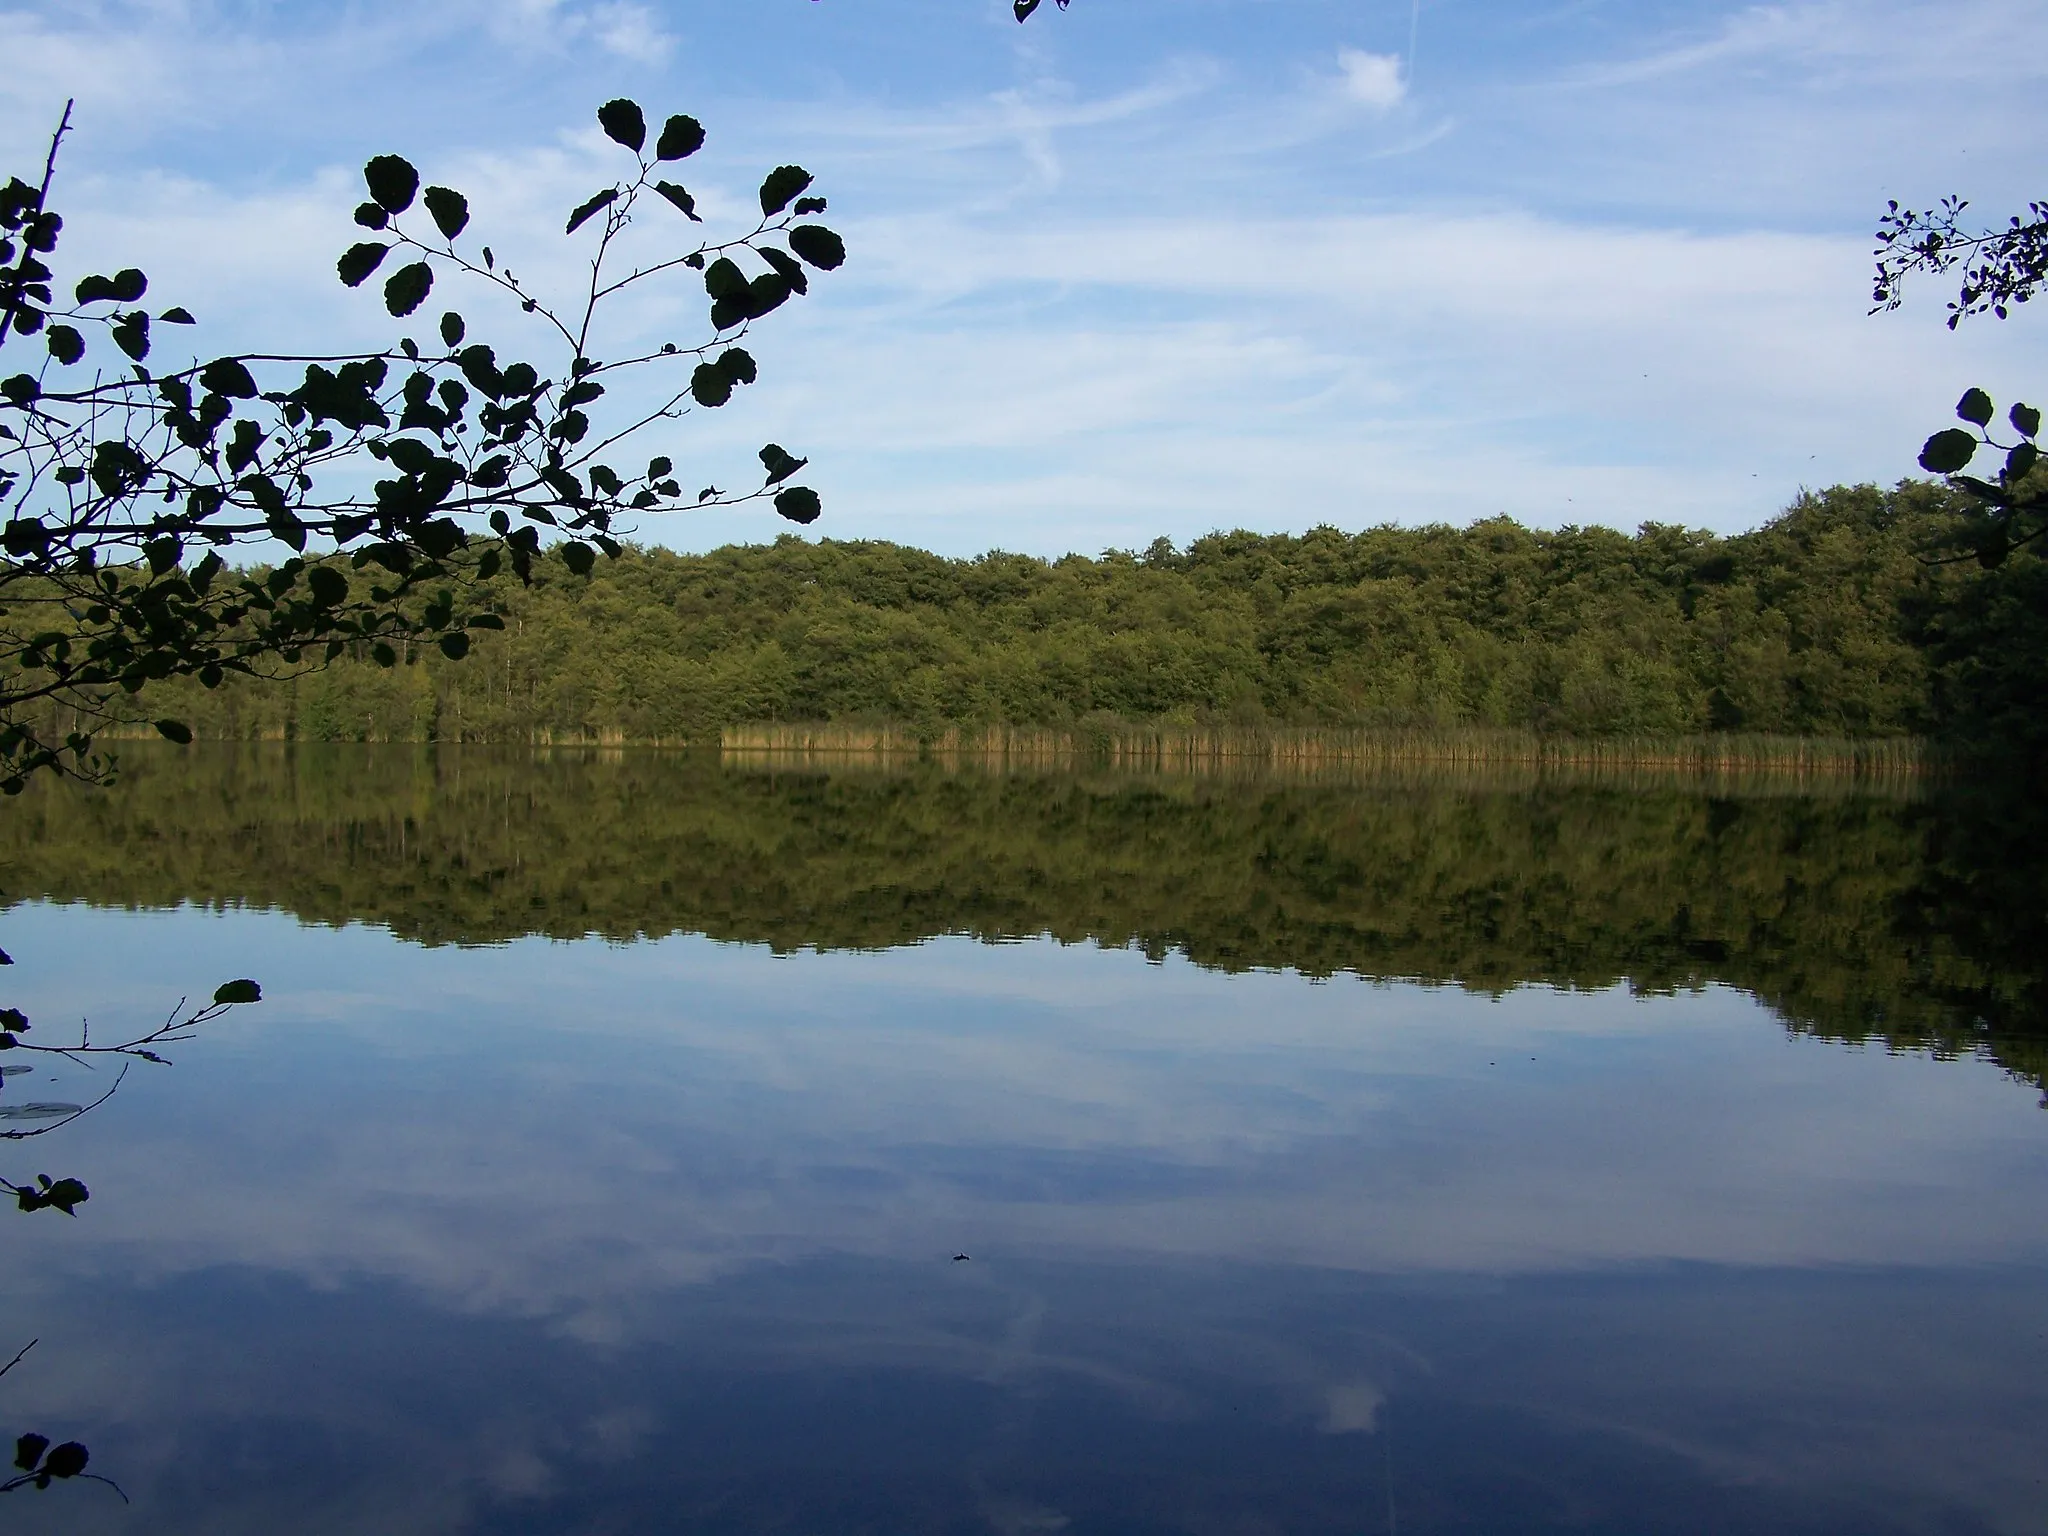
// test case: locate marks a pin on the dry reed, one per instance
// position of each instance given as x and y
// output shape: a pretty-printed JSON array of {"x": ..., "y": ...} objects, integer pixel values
[{"x": 1309, "y": 750}]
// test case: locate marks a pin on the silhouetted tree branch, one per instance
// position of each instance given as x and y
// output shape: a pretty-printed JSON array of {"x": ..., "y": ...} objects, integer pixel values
[{"x": 124, "y": 489}]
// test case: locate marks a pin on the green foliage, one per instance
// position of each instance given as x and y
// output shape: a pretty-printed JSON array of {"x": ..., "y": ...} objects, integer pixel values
[{"x": 1827, "y": 621}]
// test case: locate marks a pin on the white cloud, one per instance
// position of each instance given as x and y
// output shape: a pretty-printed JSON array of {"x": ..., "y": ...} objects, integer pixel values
[
  {"x": 1375, "y": 80},
  {"x": 632, "y": 32},
  {"x": 1185, "y": 298}
]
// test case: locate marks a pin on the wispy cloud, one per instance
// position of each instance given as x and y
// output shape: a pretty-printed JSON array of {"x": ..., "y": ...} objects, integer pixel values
[{"x": 1192, "y": 277}]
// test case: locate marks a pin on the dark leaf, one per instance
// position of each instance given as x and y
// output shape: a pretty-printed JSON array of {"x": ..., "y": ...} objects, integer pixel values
[
  {"x": 328, "y": 586},
  {"x": 411, "y": 455},
  {"x": 723, "y": 279},
  {"x": 175, "y": 730},
  {"x": 177, "y": 314},
  {"x": 371, "y": 216},
  {"x": 131, "y": 334},
  {"x": 392, "y": 182},
  {"x": 737, "y": 364},
  {"x": 359, "y": 261},
  {"x": 766, "y": 293},
  {"x": 780, "y": 186},
  {"x": 2020, "y": 462},
  {"x": 623, "y": 123},
  {"x": 449, "y": 209},
  {"x": 817, "y": 245},
  {"x": 1948, "y": 451},
  {"x": 455, "y": 645},
  {"x": 680, "y": 138},
  {"x": 806, "y": 206},
  {"x": 1976, "y": 407},
  {"x": 228, "y": 376},
  {"x": 658, "y": 467},
  {"x": 585, "y": 210},
  {"x": 128, "y": 285},
  {"x": 452, "y": 330},
  {"x": 407, "y": 288},
  {"x": 28, "y": 1451},
  {"x": 579, "y": 557},
  {"x": 2026, "y": 420},
  {"x": 709, "y": 386},
  {"x": 799, "y": 504},
  {"x": 780, "y": 463},
  {"x": 682, "y": 199},
  {"x": 65, "y": 344},
  {"x": 66, "y": 1460},
  {"x": 787, "y": 267}
]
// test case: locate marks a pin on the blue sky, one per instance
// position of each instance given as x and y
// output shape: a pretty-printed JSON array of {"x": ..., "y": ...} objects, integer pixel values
[{"x": 1147, "y": 266}]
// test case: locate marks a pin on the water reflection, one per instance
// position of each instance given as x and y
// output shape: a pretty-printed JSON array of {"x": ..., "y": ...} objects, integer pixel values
[
  {"x": 567, "y": 1236},
  {"x": 1916, "y": 918}
]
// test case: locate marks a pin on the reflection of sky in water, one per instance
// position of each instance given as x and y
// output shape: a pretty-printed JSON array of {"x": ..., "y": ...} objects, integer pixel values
[{"x": 573, "y": 1234}]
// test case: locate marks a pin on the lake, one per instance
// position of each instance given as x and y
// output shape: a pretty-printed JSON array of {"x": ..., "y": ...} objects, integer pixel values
[{"x": 632, "y": 1142}]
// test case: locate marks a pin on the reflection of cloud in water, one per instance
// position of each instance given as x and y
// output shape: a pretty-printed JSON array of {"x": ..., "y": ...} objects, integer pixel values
[
  {"x": 1354, "y": 1409},
  {"x": 563, "y": 1128},
  {"x": 1095, "y": 1393}
]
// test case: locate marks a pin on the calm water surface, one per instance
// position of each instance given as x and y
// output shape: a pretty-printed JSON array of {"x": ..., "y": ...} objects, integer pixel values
[{"x": 1387, "y": 1156}]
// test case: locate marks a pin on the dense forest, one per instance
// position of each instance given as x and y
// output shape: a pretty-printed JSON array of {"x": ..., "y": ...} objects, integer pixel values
[
  {"x": 1914, "y": 917},
  {"x": 1832, "y": 619}
]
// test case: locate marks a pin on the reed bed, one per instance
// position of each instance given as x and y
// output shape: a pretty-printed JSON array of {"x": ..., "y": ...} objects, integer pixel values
[{"x": 1314, "y": 751}]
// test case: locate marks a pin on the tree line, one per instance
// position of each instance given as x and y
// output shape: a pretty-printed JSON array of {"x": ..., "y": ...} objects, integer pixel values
[{"x": 1831, "y": 619}]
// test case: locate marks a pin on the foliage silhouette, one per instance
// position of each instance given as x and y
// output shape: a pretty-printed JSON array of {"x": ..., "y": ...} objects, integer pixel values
[
  {"x": 125, "y": 483},
  {"x": 68, "y": 1194},
  {"x": 38, "y": 1464},
  {"x": 2001, "y": 268}
]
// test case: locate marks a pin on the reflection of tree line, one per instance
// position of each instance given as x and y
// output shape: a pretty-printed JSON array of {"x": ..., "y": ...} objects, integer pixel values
[{"x": 1915, "y": 921}]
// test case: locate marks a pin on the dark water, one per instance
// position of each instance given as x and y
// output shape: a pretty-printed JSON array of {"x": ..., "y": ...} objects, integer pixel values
[{"x": 1394, "y": 1156}]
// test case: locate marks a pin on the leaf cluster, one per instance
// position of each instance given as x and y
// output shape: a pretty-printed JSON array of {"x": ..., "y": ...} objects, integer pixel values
[
  {"x": 2011, "y": 511},
  {"x": 2001, "y": 267},
  {"x": 126, "y": 488}
]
